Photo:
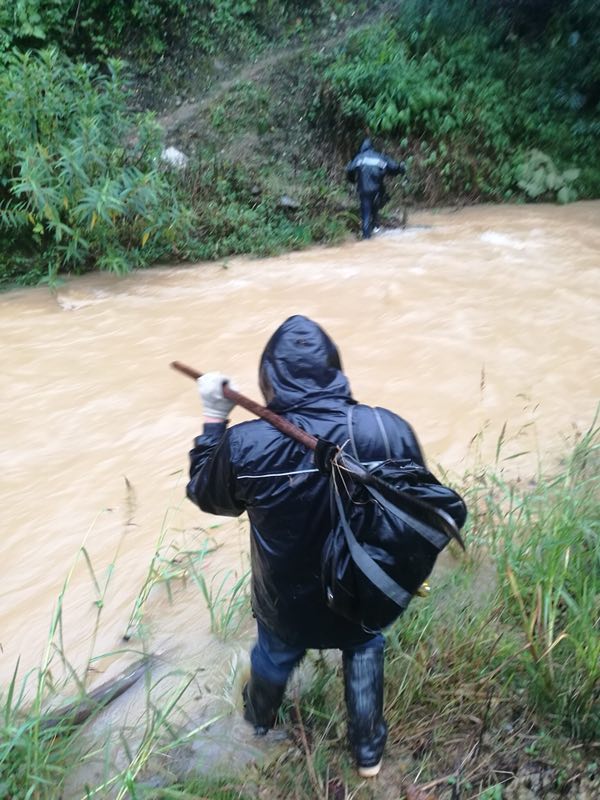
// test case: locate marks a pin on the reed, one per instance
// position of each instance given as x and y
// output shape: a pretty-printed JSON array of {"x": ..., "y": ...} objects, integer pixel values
[
  {"x": 498, "y": 669},
  {"x": 170, "y": 564},
  {"x": 156, "y": 737},
  {"x": 33, "y": 755},
  {"x": 547, "y": 550},
  {"x": 227, "y": 599}
]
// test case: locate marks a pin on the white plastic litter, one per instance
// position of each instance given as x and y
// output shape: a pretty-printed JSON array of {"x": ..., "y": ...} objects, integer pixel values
[{"x": 174, "y": 157}]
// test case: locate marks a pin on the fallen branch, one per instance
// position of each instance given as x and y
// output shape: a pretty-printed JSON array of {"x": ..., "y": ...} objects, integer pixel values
[{"x": 79, "y": 712}]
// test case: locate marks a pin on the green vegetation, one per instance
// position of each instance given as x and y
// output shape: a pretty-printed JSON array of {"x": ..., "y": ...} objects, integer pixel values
[
  {"x": 152, "y": 26},
  {"x": 88, "y": 190},
  {"x": 79, "y": 196},
  {"x": 491, "y": 683},
  {"x": 40, "y": 736},
  {"x": 484, "y": 100},
  {"x": 551, "y": 590},
  {"x": 483, "y": 111},
  {"x": 33, "y": 754},
  {"x": 227, "y": 599},
  {"x": 225, "y": 593},
  {"x": 32, "y": 758}
]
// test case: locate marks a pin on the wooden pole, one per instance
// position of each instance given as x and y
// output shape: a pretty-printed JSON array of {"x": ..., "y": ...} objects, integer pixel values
[{"x": 288, "y": 428}]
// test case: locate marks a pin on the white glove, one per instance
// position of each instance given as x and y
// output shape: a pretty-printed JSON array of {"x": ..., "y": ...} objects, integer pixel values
[{"x": 210, "y": 389}]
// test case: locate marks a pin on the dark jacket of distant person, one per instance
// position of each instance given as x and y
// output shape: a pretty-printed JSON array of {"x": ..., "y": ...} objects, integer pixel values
[{"x": 369, "y": 167}]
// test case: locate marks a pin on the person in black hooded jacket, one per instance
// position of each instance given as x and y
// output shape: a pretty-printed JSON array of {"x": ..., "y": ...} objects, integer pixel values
[
  {"x": 367, "y": 170},
  {"x": 253, "y": 467}
]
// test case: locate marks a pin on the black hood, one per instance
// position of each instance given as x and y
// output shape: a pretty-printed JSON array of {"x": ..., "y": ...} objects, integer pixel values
[
  {"x": 366, "y": 145},
  {"x": 301, "y": 365}
]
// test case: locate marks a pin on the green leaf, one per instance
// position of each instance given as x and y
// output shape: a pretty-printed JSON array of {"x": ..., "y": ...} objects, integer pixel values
[{"x": 565, "y": 195}]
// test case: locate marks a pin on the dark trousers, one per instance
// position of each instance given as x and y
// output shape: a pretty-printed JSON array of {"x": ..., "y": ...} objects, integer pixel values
[
  {"x": 272, "y": 663},
  {"x": 369, "y": 212},
  {"x": 275, "y": 660}
]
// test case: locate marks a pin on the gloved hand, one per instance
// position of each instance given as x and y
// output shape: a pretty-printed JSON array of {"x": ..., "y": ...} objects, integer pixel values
[{"x": 210, "y": 389}]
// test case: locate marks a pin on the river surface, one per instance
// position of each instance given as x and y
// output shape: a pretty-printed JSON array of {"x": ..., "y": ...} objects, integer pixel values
[{"x": 463, "y": 323}]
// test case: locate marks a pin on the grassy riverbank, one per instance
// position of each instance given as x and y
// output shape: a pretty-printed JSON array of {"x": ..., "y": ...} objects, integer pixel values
[
  {"x": 492, "y": 683},
  {"x": 486, "y": 101}
]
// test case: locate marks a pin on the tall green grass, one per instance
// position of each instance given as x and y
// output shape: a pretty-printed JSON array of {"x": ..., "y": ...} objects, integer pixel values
[
  {"x": 32, "y": 753},
  {"x": 40, "y": 744},
  {"x": 227, "y": 599},
  {"x": 546, "y": 548},
  {"x": 498, "y": 668}
]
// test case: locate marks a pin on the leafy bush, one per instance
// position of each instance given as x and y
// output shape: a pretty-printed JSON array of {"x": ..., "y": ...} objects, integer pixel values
[
  {"x": 31, "y": 22},
  {"x": 236, "y": 215},
  {"x": 538, "y": 177},
  {"x": 148, "y": 27},
  {"x": 81, "y": 185},
  {"x": 470, "y": 99}
]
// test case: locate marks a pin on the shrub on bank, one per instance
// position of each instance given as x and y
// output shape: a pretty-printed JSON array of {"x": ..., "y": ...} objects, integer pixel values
[
  {"x": 148, "y": 28},
  {"x": 82, "y": 186},
  {"x": 80, "y": 183},
  {"x": 493, "y": 675},
  {"x": 473, "y": 91}
]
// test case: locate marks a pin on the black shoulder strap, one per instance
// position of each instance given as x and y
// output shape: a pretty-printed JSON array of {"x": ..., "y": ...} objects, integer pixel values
[
  {"x": 380, "y": 425},
  {"x": 367, "y": 566},
  {"x": 384, "y": 436},
  {"x": 350, "y": 424}
]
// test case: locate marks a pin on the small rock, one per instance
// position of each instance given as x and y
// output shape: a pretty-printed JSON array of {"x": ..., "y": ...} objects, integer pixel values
[{"x": 288, "y": 202}]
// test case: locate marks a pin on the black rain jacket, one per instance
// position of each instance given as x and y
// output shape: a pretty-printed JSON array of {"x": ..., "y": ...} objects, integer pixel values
[
  {"x": 368, "y": 169},
  {"x": 253, "y": 467}
]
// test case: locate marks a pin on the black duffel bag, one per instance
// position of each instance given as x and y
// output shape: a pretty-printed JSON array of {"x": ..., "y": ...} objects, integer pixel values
[{"x": 391, "y": 521}]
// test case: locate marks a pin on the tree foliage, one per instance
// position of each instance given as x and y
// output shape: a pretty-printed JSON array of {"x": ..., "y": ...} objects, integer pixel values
[
  {"x": 471, "y": 99},
  {"x": 494, "y": 99},
  {"x": 148, "y": 27},
  {"x": 80, "y": 184}
]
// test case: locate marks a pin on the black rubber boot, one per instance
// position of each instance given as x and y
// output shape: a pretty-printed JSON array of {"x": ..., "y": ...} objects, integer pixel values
[
  {"x": 261, "y": 703},
  {"x": 363, "y": 690}
]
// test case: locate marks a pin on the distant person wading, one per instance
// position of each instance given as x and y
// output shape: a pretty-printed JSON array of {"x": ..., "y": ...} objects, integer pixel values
[{"x": 367, "y": 170}]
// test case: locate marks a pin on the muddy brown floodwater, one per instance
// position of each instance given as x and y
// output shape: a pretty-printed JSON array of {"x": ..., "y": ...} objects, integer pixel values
[{"x": 461, "y": 323}]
